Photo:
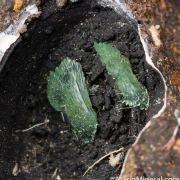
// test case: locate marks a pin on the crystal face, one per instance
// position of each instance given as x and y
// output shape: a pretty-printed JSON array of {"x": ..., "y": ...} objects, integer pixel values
[
  {"x": 133, "y": 93},
  {"x": 67, "y": 92}
]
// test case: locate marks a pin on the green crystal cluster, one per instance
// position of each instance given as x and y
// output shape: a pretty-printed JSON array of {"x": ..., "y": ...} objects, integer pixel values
[
  {"x": 67, "y": 92},
  {"x": 126, "y": 84}
]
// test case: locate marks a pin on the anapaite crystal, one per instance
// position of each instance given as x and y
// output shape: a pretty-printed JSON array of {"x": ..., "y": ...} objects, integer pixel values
[
  {"x": 67, "y": 92},
  {"x": 127, "y": 86}
]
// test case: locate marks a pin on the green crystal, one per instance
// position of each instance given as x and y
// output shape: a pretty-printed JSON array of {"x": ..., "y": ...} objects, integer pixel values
[
  {"x": 127, "y": 85},
  {"x": 67, "y": 92}
]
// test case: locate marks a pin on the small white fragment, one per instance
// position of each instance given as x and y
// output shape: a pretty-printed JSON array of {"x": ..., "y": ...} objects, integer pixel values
[
  {"x": 15, "y": 171},
  {"x": 58, "y": 178},
  {"x": 155, "y": 35},
  {"x": 32, "y": 9},
  {"x": 177, "y": 115},
  {"x": 114, "y": 159},
  {"x": 55, "y": 173}
]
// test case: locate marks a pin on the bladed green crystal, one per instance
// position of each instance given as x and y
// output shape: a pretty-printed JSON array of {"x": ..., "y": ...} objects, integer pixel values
[
  {"x": 126, "y": 83},
  {"x": 67, "y": 92}
]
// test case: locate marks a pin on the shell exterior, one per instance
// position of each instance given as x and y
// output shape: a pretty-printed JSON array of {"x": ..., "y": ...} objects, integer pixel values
[
  {"x": 126, "y": 83},
  {"x": 67, "y": 92}
]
